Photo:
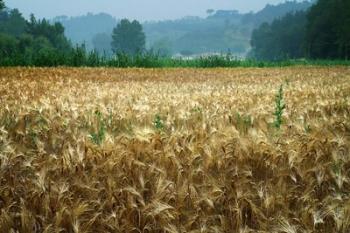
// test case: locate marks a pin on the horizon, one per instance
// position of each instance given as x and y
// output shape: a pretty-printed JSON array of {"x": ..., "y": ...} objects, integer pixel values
[{"x": 143, "y": 12}]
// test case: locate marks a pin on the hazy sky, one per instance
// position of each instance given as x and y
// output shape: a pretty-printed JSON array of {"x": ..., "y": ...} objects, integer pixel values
[{"x": 133, "y": 9}]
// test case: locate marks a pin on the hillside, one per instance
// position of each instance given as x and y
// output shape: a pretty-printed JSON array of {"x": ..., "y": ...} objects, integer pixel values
[{"x": 220, "y": 31}]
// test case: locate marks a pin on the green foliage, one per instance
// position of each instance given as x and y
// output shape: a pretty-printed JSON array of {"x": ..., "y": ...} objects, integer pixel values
[
  {"x": 128, "y": 37},
  {"x": 40, "y": 43},
  {"x": 280, "y": 40},
  {"x": 158, "y": 122},
  {"x": 307, "y": 128},
  {"x": 78, "y": 56},
  {"x": 197, "y": 109},
  {"x": 323, "y": 32},
  {"x": 2, "y": 5},
  {"x": 12, "y": 22},
  {"x": 243, "y": 122},
  {"x": 221, "y": 31},
  {"x": 99, "y": 134},
  {"x": 272, "y": 12},
  {"x": 31, "y": 43},
  {"x": 279, "y": 108},
  {"x": 33, "y": 137},
  {"x": 53, "y": 33},
  {"x": 8, "y": 45},
  {"x": 328, "y": 30}
]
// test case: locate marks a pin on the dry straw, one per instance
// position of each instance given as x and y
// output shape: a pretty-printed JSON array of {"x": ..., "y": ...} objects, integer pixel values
[{"x": 217, "y": 164}]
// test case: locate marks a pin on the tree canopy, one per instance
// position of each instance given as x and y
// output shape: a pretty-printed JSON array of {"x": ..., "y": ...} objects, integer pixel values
[
  {"x": 33, "y": 41},
  {"x": 12, "y": 22},
  {"x": 282, "y": 39},
  {"x": 328, "y": 30},
  {"x": 322, "y": 32},
  {"x": 2, "y": 4},
  {"x": 54, "y": 33},
  {"x": 128, "y": 37}
]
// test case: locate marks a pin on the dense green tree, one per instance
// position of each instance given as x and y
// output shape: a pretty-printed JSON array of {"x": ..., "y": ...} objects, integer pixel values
[
  {"x": 53, "y": 33},
  {"x": 328, "y": 30},
  {"x": 322, "y": 33},
  {"x": 33, "y": 42},
  {"x": 128, "y": 37},
  {"x": 282, "y": 39},
  {"x": 8, "y": 45},
  {"x": 272, "y": 12},
  {"x": 12, "y": 22},
  {"x": 2, "y": 5},
  {"x": 220, "y": 31}
]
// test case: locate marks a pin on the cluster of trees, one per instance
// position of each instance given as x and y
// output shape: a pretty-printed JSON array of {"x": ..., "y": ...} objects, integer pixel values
[
  {"x": 41, "y": 43},
  {"x": 322, "y": 32},
  {"x": 318, "y": 31},
  {"x": 282, "y": 39},
  {"x": 26, "y": 42},
  {"x": 103, "y": 35},
  {"x": 271, "y": 12},
  {"x": 220, "y": 31},
  {"x": 328, "y": 30},
  {"x": 128, "y": 37}
]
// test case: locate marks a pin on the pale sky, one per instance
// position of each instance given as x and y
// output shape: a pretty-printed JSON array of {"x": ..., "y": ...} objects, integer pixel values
[{"x": 134, "y": 9}]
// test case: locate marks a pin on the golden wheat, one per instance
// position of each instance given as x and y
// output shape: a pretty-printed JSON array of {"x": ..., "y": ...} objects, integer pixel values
[{"x": 213, "y": 163}]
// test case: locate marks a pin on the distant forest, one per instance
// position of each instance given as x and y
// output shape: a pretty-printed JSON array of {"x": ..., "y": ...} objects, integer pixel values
[
  {"x": 290, "y": 31},
  {"x": 221, "y": 31},
  {"x": 321, "y": 32}
]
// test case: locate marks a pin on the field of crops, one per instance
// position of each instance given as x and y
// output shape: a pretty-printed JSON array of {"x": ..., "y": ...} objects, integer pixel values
[{"x": 175, "y": 150}]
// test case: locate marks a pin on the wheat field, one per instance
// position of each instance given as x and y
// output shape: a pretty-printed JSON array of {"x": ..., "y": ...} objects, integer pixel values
[{"x": 174, "y": 150}]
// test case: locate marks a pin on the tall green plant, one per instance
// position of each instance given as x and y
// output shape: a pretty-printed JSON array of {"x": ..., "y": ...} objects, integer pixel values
[
  {"x": 279, "y": 108},
  {"x": 158, "y": 122},
  {"x": 99, "y": 135}
]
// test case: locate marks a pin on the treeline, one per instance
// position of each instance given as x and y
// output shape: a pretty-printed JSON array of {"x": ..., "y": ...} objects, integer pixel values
[
  {"x": 220, "y": 31},
  {"x": 39, "y": 43},
  {"x": 33, "y": 42},
  {"x": 322, "y": 32}
]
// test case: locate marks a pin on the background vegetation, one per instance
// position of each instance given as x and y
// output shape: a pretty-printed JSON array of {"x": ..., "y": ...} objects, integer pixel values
[
  {"x": 128, "y": 38},
  {"x": 220, "y": 31},
  {"x": 322, "y": 32},
  {"x": 316, "y": 36}
]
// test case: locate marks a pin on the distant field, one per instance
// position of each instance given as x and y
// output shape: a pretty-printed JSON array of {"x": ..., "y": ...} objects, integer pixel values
[{"x": 174, "y": 150}]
